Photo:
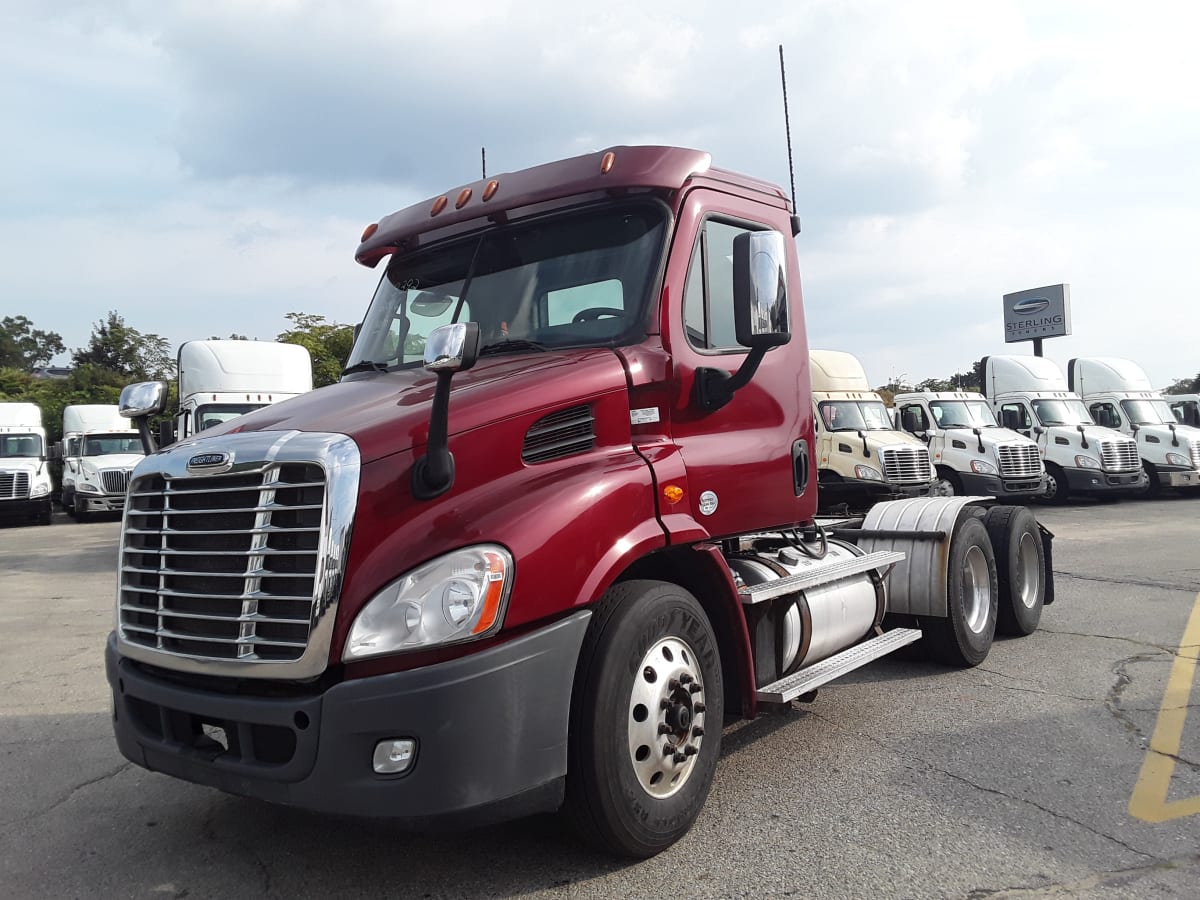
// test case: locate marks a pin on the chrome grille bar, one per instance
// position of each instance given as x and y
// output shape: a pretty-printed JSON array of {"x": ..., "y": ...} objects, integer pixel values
[
  {"x": 906, "y": 465},
  {"x": 1019, "y": 460},
  {"x": 1119, "y": 456}
]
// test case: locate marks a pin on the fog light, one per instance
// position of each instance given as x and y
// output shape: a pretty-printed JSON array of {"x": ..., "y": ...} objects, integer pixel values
[{"x": 394, "y": 755}]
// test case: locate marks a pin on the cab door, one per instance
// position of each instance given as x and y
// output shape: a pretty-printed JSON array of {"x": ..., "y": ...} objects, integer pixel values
[{"x": 750, "y": 464}]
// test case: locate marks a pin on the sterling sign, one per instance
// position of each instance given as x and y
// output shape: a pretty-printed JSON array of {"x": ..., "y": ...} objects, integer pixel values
[{"x": 1037, "y": 313}]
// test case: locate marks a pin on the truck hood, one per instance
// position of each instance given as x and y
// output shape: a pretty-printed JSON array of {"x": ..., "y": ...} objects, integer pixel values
[
  {"x": 113, "y": 461},
  {"x": 1184, "y": 433},
  {"x": 21, "y": 464},
  {"x": 1094, "y": 434},
  {"x": 388, "y": 412},
  {"x": 991, "y": 436}
]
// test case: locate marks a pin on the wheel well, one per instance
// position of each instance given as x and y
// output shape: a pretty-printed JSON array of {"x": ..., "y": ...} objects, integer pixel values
[{"x": 693, "y": 571}]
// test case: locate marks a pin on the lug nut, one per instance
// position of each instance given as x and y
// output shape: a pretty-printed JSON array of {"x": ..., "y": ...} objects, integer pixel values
[
  {"x": 668, "y": 749},
  {"x": 689, "y": 750},
  {"x": 685, "y": 678},
  {"x": 664, "y": 728},
  {"x": 698, "y": 707},
  {"x": 664, "y": 703},
  {"x": 673, "y": 684},
  {"x": 680, "y": 757},
  {"x": 694, "y": 688},
  {"x": 698, "y": 731}
]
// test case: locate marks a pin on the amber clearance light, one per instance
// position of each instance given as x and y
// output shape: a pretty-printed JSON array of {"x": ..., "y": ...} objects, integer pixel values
[
  {"x": 606, "y": 163},
  {"x": 490, "y": 191},
  {"x": 368, "y": 231},
  {"x": 438, "y": 205},
  {"x": 463, "y": 196}
]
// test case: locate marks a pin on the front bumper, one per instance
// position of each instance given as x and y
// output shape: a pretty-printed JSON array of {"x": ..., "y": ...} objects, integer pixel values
[
  {"x": 1095, "y": 481},
  {"x": 25, "y": 509},
  {"x": 975, "y": 485},
  {"x": 101, "y": 502},
  {"x": 490, "y": 727},
  {"x": 1179, "y": 478}
]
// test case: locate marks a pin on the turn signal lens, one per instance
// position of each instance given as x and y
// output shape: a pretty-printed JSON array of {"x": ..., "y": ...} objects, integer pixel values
[
  {"x": 438, "y": 205},
  {"x": 463, "y": 196},
  {"x": 368, "y": 231},
  {"x": 493, "y": 592},
  {"x": 490, "y": 191},
  {"x": 606, "y": 163},
  {"x": 673, "y": 493}
]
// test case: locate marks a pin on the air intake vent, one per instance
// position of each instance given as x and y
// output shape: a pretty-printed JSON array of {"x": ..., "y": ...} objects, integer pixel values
[{"x": 564, "y": 433}]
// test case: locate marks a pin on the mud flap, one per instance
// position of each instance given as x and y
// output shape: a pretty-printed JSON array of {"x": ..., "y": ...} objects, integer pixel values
[{"x": 1047, "y": 540}]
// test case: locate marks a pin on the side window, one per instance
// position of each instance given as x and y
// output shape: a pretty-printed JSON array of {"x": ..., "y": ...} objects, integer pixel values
[
  {"x": 912, "y": 418},
  {"x": 1105, "y": 415},
  {"x": 708, "y": 293},
  {"x": 73, "y": 446},
  {"x": 1015, "y": 416}
]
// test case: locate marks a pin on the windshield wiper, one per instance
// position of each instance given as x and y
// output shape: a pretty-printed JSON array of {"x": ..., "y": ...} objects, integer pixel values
[
  {"x": 511, "y": 346},
  {"x": 365, "y": 366}
]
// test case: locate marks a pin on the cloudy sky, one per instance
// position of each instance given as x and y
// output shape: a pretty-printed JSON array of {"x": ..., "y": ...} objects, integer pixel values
[{"x": 206, "y": 167}]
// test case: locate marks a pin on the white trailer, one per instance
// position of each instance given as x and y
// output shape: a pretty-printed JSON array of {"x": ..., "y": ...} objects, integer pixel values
[
  {"x": 221, "y": 380},
  {"x": 973, "y": 455},
  {"x": 99, "y": 449},
  {"x": 1119, "y": 395},
  {"x": 24, "y": 477},
  {"x": 861, "y": 457},
  {"x": 1029, "y": 394}
]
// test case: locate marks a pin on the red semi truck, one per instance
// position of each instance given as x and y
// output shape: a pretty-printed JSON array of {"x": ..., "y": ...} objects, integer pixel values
[{"x": 556, "y": 525}]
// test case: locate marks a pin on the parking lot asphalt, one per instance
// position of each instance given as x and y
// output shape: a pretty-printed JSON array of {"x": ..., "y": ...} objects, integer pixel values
[{"x": 1067, "y": 764}]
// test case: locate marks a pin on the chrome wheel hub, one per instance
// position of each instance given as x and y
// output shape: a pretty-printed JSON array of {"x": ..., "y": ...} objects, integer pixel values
[{"x": 666, "y": 717}]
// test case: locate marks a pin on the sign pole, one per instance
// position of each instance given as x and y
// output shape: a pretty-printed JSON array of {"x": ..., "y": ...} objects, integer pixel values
[{"x": 1037, "y": 346}]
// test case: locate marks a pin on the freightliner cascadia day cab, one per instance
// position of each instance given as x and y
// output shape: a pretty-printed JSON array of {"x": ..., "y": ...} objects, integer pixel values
[
  {"x": 1029, "y": 395},
  {"x": 1118, "y": 395},
  {"x": 99, "y": 450},
  {"x": 24, "y": 478},
  {"x": 861, "y": 457},
  {"x": 555, "y": 522},
  {"x": 1186, "y": 408},
  {"x": 221, "y": 380},
  {"x": 972, "y": 454}
]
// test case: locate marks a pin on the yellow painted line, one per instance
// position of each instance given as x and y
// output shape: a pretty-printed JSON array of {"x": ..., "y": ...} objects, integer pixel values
[{"x": 1149, "y": 801}]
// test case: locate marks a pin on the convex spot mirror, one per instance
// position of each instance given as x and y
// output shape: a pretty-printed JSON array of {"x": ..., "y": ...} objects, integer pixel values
[
  {"x": 146, "y": 398},
  {"x": 452, "y": 348},
  {"x": 760, "y": 301},
  {"x": 429, "y": 305}
]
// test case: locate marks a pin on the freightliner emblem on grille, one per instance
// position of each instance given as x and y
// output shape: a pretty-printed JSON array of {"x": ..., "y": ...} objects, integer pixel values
[{"x": 210, "y": 462}]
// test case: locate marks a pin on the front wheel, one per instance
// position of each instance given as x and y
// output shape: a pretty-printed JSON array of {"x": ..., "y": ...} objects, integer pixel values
[
  {"x": 646, "y": 716},
  {"x": 1056, "y": 485},
  {"x": 948, "y": 484},
  {"x": 81, "y": 511}
]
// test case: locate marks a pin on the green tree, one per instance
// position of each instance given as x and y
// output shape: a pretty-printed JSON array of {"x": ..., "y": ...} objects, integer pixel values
[
  {"x": 1184, "y": 386},
  {"x": 328, "y": 343},
  {"x": 24, "y": 347},
  {"x": 116, "y": 347}
]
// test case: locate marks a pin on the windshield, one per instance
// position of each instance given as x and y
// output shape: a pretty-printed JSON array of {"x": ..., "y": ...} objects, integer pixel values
[
  {"x": 109, "y": 444},
  {"x": 962, "y": 414},
  {"x": 855, "y": 415},
  {"x": 571, "y": 280},
  {"x": 20, "y": 446},
  {"x": 1148, "y": 412},
  {"x": 1062, "y": 412},
  {"x": 216, "y": 413}
]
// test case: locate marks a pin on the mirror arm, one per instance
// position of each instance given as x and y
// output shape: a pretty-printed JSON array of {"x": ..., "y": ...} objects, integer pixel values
[
  {"x": 143, "y": 427},
  {"x": 716, "y": 387},
  {"x": 433, "y": 473},
  {"x": 979, "y": 437}
]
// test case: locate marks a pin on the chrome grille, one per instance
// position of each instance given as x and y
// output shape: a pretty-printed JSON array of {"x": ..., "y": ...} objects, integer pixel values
[
  {"x": 223, "y": 566},
  {"x": 1196, "y": 454},
  {"x": 14, "y": 485},
  {"x": 906, "y": 465},
  {"x": 1119, "y": 456},
  {"x": 1019, "y": 460},
  {"x": 115, "y": 481}
]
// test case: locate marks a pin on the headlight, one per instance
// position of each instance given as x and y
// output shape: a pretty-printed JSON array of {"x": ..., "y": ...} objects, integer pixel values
[
  {"x": 867, "y": 473},
  {"x": 1086, "y": 462},
  {"x": 40, "y": 490},
  {"x": 83, "y": 487},
  {"x": 1178, "y": 459},
  {"x": 456, "y": 597},
  {"x": 982, "y": 467}
]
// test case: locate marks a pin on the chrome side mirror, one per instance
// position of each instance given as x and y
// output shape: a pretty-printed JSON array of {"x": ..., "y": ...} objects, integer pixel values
[
  {"x": 452, "y": 348},
  {"x": 146, "y": 398},
  {"x": 760, "y": 300}
]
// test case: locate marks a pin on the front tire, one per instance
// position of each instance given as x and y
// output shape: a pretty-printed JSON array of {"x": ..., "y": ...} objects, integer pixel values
[
  {"x": 1021, "y": 568},
  {"x": 965, "y": 636},
  {"x": 81, "y": 510},
  {"x": 948, "y": 484},
  {"x": 1056, "y": 485},
  {"x": 646, "y": 716}
]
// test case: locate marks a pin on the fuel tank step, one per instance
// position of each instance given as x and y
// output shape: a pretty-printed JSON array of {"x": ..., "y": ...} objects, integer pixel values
[
  {"x": 820, "y": 574},
  {"x": 787, "y": 689}
]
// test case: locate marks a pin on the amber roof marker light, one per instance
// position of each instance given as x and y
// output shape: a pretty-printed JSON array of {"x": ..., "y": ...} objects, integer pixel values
[
  {"x": 438, "y": 205},
  {"x": 490, "y": 191},
  {"x": 368, "y": 231},
  {"x": 606, "y": 162},
  {"x": 463, "y": 196}
]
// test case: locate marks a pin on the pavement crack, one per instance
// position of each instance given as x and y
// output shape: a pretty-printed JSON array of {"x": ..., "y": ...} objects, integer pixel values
[
  {"x": 69, "y": 794},
  {"x": 1173, "y": 651},
  {"x": 1032, "y": 690},
  {"x": 1190, "y": 587},
  {"x": 1098, "y": 880},
  {"x": 908, "y": 756}
]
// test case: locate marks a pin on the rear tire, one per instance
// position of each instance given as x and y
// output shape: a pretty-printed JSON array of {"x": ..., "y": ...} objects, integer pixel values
[
  {"x": 648, "y": 655},
  {"x": 965, "y": 636},
  {"x": 1020, "y": 568}
]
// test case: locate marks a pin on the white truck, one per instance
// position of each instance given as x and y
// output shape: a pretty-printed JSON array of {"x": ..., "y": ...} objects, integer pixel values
[
  {"x": 973, "y": 455},
  {"x": 99, "y": 449},
  {"x": 1029, "y": 395},
  {"x": 1186, "y": 408},
  {"x": 221, "y": 380},
  {"x": 1118, "y": 395},
  {"x": 861, "y": 457},
  {"x": 24, "y": 478}
]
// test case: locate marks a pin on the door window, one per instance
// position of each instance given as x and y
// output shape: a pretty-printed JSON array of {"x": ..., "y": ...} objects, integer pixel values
[
  {"x": 1015, "y": 416},
  {"x": 1105, "y": 414},
  {"x": 708, "y": 292}
]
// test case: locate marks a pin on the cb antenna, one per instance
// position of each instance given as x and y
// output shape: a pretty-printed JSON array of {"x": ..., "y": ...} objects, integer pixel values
[
  {"x": 483, "y": 162},
  {"x": 787, "y": 125}
]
